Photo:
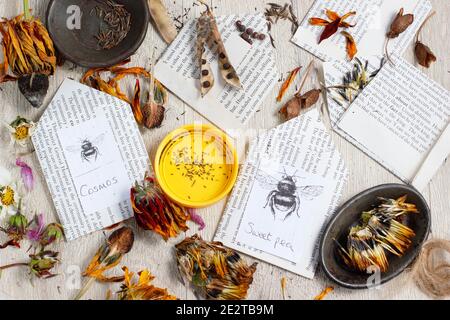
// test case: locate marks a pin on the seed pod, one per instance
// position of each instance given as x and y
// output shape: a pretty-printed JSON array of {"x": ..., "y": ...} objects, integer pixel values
[
  {"x": 299, "y": 103},
  {"x": 203, "y": 33},
  {"x": 400, "y": 24},
  {"x": 162, "y": 20},
  {"x": 424, "y": 55}
]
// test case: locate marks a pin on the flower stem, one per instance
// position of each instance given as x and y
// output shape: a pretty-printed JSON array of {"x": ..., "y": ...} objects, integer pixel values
[
  {"x": 13, "y": 265},
  {"x": 85, "y": 288},
  {"x": 26, "y": 9}
]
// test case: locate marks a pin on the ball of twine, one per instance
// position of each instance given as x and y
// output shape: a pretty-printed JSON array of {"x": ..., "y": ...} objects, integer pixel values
[{"x": 431, "y": 271}]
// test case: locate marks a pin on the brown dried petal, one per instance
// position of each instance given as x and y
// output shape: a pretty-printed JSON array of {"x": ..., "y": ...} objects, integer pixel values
[
  {"x": 300, "y": 103},
  {"x": 400, "y": 24},
  {"x": 424, "y": 55},
  {"x": 122, "y": 240},
  {"x": 153, "y": 115}
]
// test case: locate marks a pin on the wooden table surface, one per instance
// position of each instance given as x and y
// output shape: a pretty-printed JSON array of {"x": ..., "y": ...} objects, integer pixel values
[{"x": 150, "y": 251}]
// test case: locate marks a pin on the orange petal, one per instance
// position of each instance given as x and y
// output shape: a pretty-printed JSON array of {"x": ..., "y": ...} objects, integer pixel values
[
  {"x": 348, "y": 14},
  {"x": 318, "y": 22},
  {"x": 287, "y": 83},
  {"x": 351, "y": 45},
  {"x": 332, "y": 15},
  {"x": 323, "y": 294}
]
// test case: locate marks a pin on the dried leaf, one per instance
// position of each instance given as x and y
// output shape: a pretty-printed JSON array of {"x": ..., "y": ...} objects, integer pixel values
[
  {"x": 287, "y": 83},
  {"x": 351, "y": 45},
  {"x": 400, "y": 24},
  {"x": 162, "y": 20},
  {"x": 324, "y": 293}
]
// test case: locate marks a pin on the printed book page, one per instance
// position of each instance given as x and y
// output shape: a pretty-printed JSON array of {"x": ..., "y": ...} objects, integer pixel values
[
  {"x": 398, "y": 119},
  {"x": 289, "y": 185},
  {"x": 225, "y": 106},
  {"x": 91, "y": 152},
  {"x": 372, "y": 21}
]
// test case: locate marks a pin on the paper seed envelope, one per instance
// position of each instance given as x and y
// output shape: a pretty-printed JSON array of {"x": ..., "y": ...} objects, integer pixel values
[
  {"x": 289, "y": 185},
  {"x": 225, "y": 106},
  {"x": 91, "y": 152}
]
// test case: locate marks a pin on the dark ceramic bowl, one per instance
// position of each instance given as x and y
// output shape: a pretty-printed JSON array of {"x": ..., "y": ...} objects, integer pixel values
[
  {"x": 80, "y": 45},
  {"x": 349, "y": 213}
]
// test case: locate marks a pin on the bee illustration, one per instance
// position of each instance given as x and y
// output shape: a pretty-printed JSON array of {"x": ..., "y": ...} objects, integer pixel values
[
  {"x": 88, "y": 148},
  {"x": 284, "y": 199}
]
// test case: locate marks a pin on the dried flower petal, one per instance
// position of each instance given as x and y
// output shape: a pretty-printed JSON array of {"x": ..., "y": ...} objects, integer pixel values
[
  {"x": 217, "y": 272},
  {"x": 34, "y": 234},
  {"x": 331, "y": 27},
  {"x": 329, "y": 30},
  {"x": 287, "y": 83},
  {"x": 196, "y": 218},
  {"x": 153, "y": 210},
  {"x": 26, "y": 173},
  {"x": 351, "y": 45},
  {"x": 142, "y": 289},
  {"x": 324, "y": 293}
]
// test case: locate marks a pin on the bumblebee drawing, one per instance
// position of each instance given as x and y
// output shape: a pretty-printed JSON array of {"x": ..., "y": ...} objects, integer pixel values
[
  {"x": 284, "y": 199},
  {"x": 87, "y": 148}
]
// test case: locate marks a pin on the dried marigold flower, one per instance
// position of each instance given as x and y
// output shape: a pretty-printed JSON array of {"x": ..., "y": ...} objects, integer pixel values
[
  {"x": 153, "y": 210},
  {"x": 217, "y": 272},
  {"x": 119, "y": 243},
  {"x": 142, "y": 289}
]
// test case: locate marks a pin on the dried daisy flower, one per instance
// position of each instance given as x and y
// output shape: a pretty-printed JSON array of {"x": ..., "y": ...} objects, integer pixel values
[
  {"x": 153, "y": 210},
  {"x": 29, "y": 54},
  {"x": 119, "y": 243},
  {"x": 217, "y": 272},
  {"x": 8, "y": 199},
  {"x": 40, "y": 264},
  {"x": 380, "y": 231},
  {"x": 16, "y": 228},
  {"x": 142, "y": 289},
  {"x": 21, "y": 131}
]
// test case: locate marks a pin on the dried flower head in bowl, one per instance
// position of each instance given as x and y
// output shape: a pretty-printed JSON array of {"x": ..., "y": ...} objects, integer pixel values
[
  {"x": 217, "y": 272},
  {"x": 153, "y": 210},
  {"x": 29, "y": 54},
  {"x": 379, "y": 230}
]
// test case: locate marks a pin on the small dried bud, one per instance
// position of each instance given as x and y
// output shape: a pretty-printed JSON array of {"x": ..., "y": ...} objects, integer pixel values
[
  {"x": 121, "y": 240},
  {"x": 400, "y": 24},
  {"x": 42, "y": 263},
  {"x": 424, "y": 55},
  {"x": 18, "y": 222},
  {"x": 53, "y": 232}
]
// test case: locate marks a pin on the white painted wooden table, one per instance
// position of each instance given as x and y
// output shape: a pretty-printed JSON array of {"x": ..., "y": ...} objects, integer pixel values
[{"x": 152, "y": 252}]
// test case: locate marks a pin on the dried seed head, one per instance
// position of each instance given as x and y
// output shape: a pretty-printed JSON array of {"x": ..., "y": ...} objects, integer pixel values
[
  {"x": 400, "y": 24},
  {"x": 122, "y": 240}
]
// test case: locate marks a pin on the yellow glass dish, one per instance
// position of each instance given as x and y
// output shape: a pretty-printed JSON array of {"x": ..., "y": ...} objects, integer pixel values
[{"x": 196, "y": 165}]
